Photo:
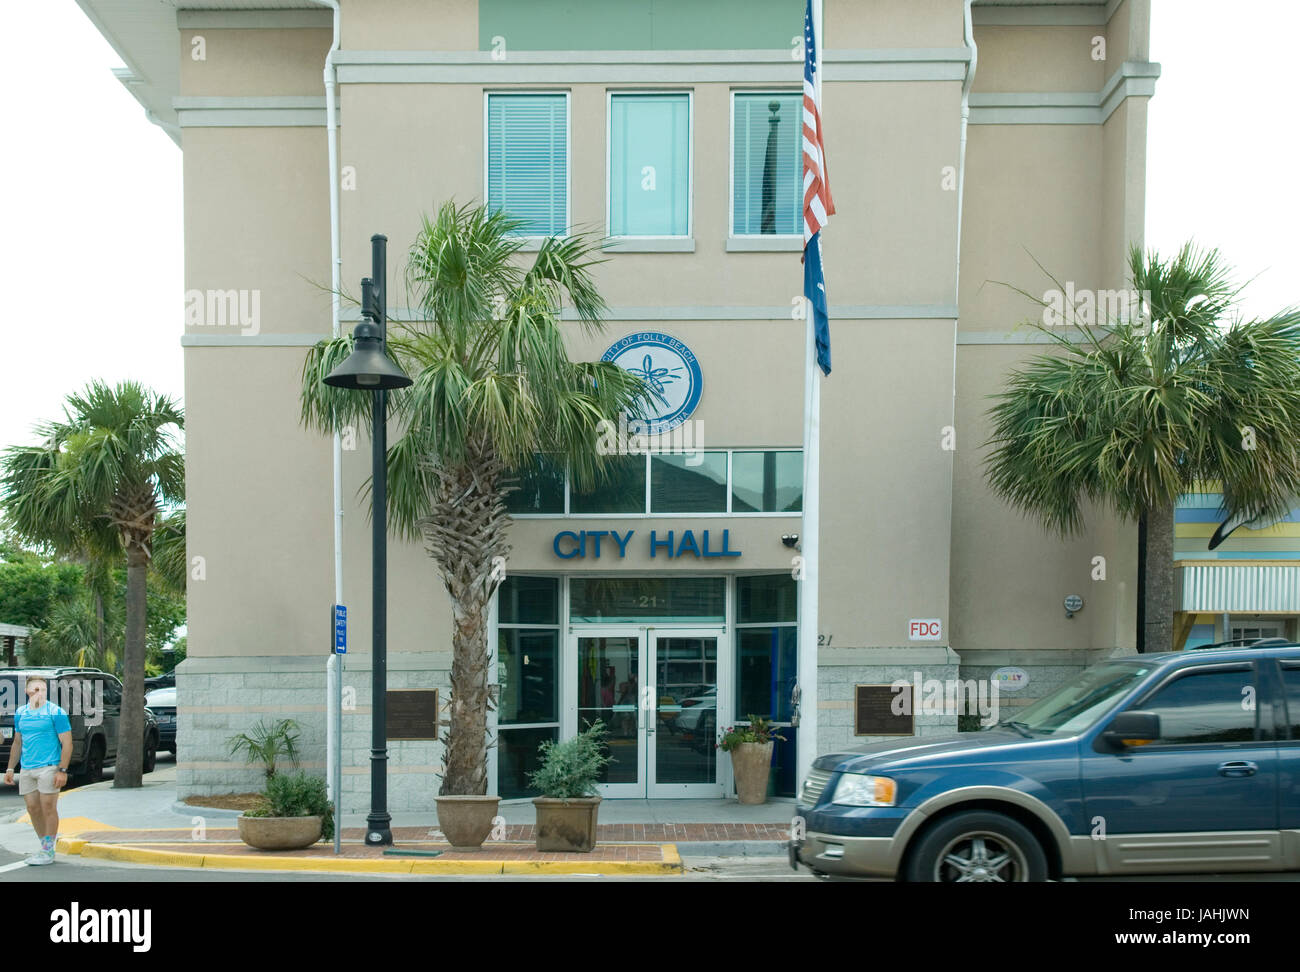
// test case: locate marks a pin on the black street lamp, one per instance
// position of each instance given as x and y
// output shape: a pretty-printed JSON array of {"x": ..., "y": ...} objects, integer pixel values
[{"x": 368, "y": 368}]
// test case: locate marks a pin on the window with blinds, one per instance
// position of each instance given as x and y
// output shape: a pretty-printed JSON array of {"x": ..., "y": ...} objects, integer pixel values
[
  {"x": 528, "y": 160},
  {"x": 649, "y": 165},
  {"x": 767, "y": 164}
]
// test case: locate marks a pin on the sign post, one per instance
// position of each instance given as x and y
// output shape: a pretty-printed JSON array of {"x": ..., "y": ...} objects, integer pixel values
[{"x": 334, "y": 694}]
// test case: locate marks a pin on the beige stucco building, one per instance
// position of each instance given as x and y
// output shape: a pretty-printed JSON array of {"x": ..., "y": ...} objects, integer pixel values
[{"x": 959, "y": 153}]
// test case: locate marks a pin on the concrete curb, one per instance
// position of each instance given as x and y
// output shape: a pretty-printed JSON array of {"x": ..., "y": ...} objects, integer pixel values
[
  {"x": 671, "y": 863},
  {"x": 189, "y": 810},
  {"x": 732, "y": 848}
]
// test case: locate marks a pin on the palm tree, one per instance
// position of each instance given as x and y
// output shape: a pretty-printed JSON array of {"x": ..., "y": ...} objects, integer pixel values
[
  {"x": 97, "y": 485},
  {"x": 493, "y": 388},
  {"x": 1134, "y": 416}
]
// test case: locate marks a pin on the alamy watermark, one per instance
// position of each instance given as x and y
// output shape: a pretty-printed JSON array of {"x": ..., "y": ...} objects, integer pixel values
[
  {"x": 624, "y": 440},
  {"x": 76, "y": 696},
  {"x": 1083, "y": 307},
  {"x": 225, "y": 308},
  {"x": 953, "y": 696}
]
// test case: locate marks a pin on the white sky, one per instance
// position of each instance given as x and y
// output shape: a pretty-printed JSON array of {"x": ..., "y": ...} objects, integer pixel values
[{"x": 91, "y": 214}]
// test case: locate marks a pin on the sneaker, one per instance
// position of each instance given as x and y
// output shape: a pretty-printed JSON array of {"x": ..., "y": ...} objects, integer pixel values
[{"x": 41, "y": 857}]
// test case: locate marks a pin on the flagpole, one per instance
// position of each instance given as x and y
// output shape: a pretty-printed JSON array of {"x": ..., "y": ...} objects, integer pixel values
[{"x": 806, "y": 747}]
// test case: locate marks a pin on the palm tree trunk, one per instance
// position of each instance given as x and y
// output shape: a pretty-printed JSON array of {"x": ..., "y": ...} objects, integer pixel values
[
  {"x": 1159, "y": 579},
  {"x": 466, "y": 533},
  {"x": 101, "y": 635},
  {"x": 130, "y": 738}
]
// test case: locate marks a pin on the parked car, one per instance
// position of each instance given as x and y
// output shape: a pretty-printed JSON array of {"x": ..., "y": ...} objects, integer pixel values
[
  {"x": 162, "y": 702},
  {"x": 165, "y": 680},
  {"x": 93, "y": 701},
  {"x": 1163, "y": 763}
]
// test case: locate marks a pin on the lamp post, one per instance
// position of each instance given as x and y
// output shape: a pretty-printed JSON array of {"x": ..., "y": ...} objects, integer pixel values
[{"x": 368, "y": 368}]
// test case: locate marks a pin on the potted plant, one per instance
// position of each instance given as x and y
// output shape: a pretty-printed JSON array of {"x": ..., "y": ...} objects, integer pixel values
[
  {"x": 466, "y": 819},
  {"x": 567, "y": 808},
  {"x": 295, "y": 813},
  {"x": 750, "y": 748},
  {"x": 266, "y": 742}
]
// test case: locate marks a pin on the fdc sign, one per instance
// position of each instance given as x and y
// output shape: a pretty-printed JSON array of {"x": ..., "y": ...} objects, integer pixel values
[{"x": 924, "y": 629}]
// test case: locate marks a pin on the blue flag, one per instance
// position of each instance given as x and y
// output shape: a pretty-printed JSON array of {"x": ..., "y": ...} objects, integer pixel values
[{"x": 814, "y": 288}]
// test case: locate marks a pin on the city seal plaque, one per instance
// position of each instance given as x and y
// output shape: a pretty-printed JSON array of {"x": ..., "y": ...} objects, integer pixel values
[{"x": 670, "y": 369}]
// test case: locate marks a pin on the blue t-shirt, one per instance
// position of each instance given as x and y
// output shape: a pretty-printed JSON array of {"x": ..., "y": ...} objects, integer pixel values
[{"x": 40, "y": 730}]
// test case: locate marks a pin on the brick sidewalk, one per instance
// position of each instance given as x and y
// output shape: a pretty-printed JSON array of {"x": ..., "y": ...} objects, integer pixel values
[{"x": 514, "y": 833}]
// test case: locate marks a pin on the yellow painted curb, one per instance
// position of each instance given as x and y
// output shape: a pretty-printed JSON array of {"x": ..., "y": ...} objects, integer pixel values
[
  {"x": 70, "y": 845},
  {"x": 136, "y": 855},
  {"x": 670, "y": 864}
]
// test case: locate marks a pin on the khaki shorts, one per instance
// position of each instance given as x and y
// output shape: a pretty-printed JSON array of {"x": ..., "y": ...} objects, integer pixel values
[{"x": 41, "y": 778}]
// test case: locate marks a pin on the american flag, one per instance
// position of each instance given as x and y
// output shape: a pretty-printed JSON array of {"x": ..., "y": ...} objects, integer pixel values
[{"x": 817, "y": 203}]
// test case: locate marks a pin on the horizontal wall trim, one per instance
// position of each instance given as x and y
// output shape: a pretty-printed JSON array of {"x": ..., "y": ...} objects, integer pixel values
[
  {"x": 246, "y": 19},
  {"x": 278, "y": 111},
  {"x": 658, "y": 67},
  {"x": 649, "y": 245},
  {"x": 776, "y": 312},
  {"x": 764, "y": 244},
  {"x": 1131, "y": 79},
  {"x": 250, "y": 340},
  {"x": 1064, "y": 15},
  {"x": 1026, "y": 336}
]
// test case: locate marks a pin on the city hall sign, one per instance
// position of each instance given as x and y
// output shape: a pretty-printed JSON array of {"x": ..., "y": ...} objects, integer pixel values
[
  {"x": 671, "y": 370},
  {"x": 672, "y": 544}
]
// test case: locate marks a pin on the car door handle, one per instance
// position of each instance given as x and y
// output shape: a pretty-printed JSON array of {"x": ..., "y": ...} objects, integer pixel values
[{"x": 1238, "y": 767}]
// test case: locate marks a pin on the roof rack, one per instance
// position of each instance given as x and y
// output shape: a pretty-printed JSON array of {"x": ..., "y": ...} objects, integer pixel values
[{"x": 1246, "y": 643}]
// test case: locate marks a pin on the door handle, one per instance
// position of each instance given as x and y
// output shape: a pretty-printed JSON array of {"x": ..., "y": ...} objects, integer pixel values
[{"x": 1238, "y": 767}]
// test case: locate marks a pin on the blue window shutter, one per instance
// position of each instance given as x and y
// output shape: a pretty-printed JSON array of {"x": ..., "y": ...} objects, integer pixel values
[
  {"x": 528, "y": 174},
  {"x": 782, "y": 212}
]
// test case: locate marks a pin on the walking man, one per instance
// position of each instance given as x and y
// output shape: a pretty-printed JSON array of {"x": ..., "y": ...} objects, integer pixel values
[{"x": 43, "y": 742}]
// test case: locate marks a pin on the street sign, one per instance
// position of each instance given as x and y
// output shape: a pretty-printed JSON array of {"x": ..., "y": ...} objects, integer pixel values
[{"x": 340, "y": 629}]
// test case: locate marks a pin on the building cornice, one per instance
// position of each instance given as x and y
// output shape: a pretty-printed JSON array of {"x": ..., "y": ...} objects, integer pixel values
[
  {"x": 638, "y": 67},
  {"x": 278, "y": 111},
  {"x": 1133, "y": 79}
]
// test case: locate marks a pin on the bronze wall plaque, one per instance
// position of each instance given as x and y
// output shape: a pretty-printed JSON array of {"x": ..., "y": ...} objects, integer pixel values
[
  {"x": 873, "y": 710},
  {"x": 412, "y": 714}
]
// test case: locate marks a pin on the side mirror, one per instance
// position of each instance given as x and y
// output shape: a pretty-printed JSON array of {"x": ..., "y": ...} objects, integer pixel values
[{"x": 1133, "y": 728}]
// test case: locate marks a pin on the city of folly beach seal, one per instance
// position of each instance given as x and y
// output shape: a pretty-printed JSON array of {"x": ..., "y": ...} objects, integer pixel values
[{"x": 671, "y": 370}]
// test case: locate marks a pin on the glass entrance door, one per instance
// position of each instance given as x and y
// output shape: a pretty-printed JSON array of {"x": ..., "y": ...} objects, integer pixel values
[{"x": 657, "y": 692}]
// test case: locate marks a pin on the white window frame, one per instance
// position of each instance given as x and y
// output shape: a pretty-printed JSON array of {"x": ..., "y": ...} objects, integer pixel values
[
  {"x": 782, "y": 240},
  {"x": 647, "y": 242},
  {"x": 533, "y": 242}
]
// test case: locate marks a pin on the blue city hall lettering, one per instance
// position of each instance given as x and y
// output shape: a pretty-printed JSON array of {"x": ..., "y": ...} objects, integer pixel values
[{"x": 579, "y": 544}]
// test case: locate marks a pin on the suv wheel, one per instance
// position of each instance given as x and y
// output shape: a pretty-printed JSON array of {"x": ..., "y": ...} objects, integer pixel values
[
  {"x": 150, "y": 753},
  {"x": 978, "y": 845},
  {"x": 93, "y": 769}
]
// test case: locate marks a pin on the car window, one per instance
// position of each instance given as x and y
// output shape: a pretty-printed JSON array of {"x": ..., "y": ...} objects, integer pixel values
[
  {"x": 112, "y": 693},
  {"x": 1291, "y": 689},
  {"x": 1216, "y": 706},
  {"x": 1081, "y": 701}
]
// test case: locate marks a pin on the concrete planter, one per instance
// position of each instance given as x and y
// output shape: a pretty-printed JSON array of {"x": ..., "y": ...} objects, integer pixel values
[
  {"x": 752, "y": 763},
  {"x": 466, "y": 821},
  {"x": 566, "y": 825},
  {"x": 279, "y": 833}
]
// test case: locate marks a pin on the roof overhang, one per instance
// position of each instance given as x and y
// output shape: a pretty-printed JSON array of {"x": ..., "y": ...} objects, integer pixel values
[{"x": 1219, "y": 587}]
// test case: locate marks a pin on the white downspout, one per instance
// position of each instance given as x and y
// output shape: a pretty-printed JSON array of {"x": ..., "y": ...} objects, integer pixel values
[
  {"x": 968, "y": 34},
  {"x": 334, "y": 672}
]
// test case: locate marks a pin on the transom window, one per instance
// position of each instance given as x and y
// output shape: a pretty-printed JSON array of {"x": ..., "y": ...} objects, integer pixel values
[{"x": 752, "y": 481}]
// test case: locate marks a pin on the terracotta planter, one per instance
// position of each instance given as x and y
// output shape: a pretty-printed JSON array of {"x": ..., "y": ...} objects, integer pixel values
[
  {"x": 279, "y": 833},
  {"x": 752, "y": 763},
  {"x": 466, "y": 821},
  {"x": 566, "y": 825}
]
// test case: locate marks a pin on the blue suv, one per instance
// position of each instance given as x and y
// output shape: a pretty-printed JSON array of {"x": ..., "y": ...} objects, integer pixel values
[{"x": 1163, "y": 763}]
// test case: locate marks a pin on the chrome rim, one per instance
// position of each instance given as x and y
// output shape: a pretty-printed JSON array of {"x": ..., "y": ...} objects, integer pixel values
[{"x": 980, "y": 856}]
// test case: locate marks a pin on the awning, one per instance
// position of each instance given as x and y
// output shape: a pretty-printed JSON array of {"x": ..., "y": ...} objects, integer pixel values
[{"x": 1218, "y": 587}]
